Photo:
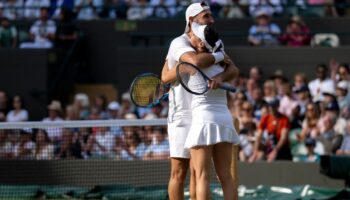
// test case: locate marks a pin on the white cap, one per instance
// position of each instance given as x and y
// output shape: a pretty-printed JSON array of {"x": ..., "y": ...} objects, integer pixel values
[
  {"x": 113, "y": 105},
  {"x": 343, "y": 85},
  {"x": 198, "y": 30},
  {"x": 130, "y": 116},
  {"x": 328, "y": 90},
  {"x": 150, "y": 116},
  {"x": 193, "y": 10},
  {"x": 83, "y": 98}
]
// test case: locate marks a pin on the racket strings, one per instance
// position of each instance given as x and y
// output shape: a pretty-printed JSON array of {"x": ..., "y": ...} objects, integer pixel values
[
  {"x": 192, "y": 79},
  {"x": 147, "y": 90}
]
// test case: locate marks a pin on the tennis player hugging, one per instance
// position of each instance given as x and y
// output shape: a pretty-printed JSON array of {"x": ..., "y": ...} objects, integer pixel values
[{"x": 212, "y": 132}]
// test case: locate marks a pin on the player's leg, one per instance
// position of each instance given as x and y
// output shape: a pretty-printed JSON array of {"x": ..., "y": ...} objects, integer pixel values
[
  {"x": 192, "y": 182},
  {"x": 222, "y": 157},
  {"x": 201, "y": 159},
  {"x": 178, "y": 172}
]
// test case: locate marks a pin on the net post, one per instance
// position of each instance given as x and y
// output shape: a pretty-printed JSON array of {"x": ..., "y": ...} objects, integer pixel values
[{"x": 234, "y": 165}]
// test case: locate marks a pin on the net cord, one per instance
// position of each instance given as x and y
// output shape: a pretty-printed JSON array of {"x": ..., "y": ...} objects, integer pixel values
[{"x": 85, "y": 123}]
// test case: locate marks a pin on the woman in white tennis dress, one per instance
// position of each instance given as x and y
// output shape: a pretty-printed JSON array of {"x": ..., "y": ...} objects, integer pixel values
[{"x": 212, "y": 132}]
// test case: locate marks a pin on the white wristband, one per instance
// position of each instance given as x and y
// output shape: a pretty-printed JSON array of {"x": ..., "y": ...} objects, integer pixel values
[{"x": 218, "y": 56}]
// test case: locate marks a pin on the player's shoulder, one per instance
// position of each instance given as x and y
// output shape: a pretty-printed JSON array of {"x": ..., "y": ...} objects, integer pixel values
[{"x": 182, "y": 39}]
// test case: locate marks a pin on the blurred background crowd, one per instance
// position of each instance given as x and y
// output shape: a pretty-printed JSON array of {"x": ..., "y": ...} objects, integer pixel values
[
  {"x": 53, "y": 21},
  {"x": 295, "y": 119}
]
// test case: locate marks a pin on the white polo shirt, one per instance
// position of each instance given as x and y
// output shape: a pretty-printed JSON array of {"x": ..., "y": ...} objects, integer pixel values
[{"x": 179, "y": 98}]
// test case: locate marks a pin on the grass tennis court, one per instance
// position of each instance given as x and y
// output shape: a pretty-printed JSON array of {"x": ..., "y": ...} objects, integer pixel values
[{"x": 124, "y": 192}]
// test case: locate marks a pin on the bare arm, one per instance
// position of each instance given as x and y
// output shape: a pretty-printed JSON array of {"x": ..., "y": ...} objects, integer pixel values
[
  {"x": 168, "y": 75},
  {"x": 201, "y": 60},
  {"x": 282, "y": 139},
  {"x": 258, "y": 136},
  {"x": 230, "y": 72}
]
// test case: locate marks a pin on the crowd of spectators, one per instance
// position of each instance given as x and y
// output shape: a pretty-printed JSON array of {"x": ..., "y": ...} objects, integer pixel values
[
  {"x": 116, "y": 142},
  {"x": 280, "y": 119},
  {"x": 294, "y": 119},
  {"x": 54, "y": 27},
  {"x": 141, "y": 9}
]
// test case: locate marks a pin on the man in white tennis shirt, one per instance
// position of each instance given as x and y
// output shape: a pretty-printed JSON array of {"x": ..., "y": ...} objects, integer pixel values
[{"x": 179, "y": 117}]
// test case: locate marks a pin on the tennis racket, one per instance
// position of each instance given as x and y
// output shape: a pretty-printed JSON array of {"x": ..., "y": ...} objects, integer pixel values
[
  {"x": 195, "y": 81},
  {"x": 147, "y": 90}
]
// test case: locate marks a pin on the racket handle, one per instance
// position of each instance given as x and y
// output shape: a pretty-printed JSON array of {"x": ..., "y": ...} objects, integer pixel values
[{"x": 227, "y": 87}]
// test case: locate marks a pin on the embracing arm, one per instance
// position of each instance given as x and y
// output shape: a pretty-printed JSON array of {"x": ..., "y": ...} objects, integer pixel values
[
  {"x": 230, "y": 72},
  {"x": 201, "y": 60},
  {"x": 168, "y": 75}
]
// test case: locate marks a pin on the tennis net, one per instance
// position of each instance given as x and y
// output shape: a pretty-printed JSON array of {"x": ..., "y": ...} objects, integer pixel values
[{"x": 84, "y": 159}]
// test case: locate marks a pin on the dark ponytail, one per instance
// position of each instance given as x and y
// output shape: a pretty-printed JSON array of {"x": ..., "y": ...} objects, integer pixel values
[{"x": 211, "y": 36}]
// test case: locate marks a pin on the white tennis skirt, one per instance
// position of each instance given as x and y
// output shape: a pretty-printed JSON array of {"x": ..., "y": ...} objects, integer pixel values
[{"x": 205, "y": 134}]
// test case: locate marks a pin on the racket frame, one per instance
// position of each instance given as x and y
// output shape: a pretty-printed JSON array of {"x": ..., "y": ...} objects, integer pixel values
[{"x": 156, "y": 101}]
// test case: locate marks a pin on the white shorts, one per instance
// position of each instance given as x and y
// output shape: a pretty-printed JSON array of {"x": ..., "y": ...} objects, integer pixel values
[{"x": 177, "y": 133}]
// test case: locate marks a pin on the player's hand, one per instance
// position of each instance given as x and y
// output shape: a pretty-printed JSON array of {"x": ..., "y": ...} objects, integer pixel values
[{"x": 215, "y": 82}]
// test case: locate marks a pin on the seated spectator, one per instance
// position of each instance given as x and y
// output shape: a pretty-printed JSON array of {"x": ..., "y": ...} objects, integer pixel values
[
  {"x": 232, "y": 9},
  {"x": 13, "y": 9},
  {"x": 332, "y": 109},
  {"x": 330, "y": 139},
  {"x": 43, "y": 150},
  {"x": 279, "y": 79},
  {"x": 55, "y": 110},
  {"x": 162, "y": 8},
  {"x": 270, "y": 91},
  {"x": 85, "y": 138},
  {"x": 342, "y": 94},
  {"x": 263, "y": 33},
  {"x": 339, "y": 72},
  {"x": 94, "y": 113},
  {"x": 259, "y": 104},
  {"x": 309, "y": 125},
  {"x": 247, "y": 129},
  {"x": 70, "y": 147},
  {"x": 271, "y": 139},
  {"x": 5, "y": 145},
  {"x": 287, "y": 103},
  {"x": 42, "y": 32},
  {"x": 102, "y": 143},
  {"x": 302, "y": 96},
  {"x": 88, "y": 9},
  {"x": 126, "y": 105},
  {"x": 322, "y": 81},
  {"x": 82, "y": 102},
  {"x": 4, "y": 104},
  {"x": 270, "y": 7},
  {"x": 8, "y": 34},
  {"x": 19, "y": 113},
  {"x": 60, "y": 5},
  {"x": 32, "y": 10},
  {"x": 251, "y": 86},
  {"x": 297, "y": 34},
  {"x": 100, "y": 103},
  {"x": 256, "y": 73},
  {"x": 66, "y": 32},
  {"x": 300, "y": 80},
  {"x": 132, "y": 147},
  {"x": 345, "y": 146},
  {"x": 159, "y": 149},
  {"x": 26, "y": 145},
  {"x": 311, "y": 155},
  {"x": 113, "y": 113},
  {"x": 72, "y": 113},
  {"x": 138, "y": 10}
]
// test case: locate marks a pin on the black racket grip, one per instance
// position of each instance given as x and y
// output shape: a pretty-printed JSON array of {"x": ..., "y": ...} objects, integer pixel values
[{"x": 227, "y": 87}]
